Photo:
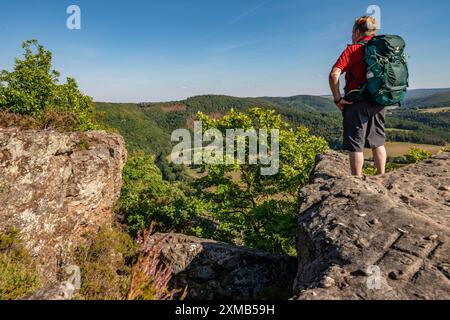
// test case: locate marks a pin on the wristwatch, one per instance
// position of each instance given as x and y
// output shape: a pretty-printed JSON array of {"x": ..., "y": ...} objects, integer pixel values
[{"x": 338, "y": 101}]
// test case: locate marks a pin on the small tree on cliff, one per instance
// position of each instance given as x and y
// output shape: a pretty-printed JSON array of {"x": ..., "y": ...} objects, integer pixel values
[
  {"x": 252, "y": 209},
  {"x": 33, "y": 89}
]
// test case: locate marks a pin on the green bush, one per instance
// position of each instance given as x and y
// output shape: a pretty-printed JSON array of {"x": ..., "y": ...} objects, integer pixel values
[
  {"x": 105, "y": 264},
  {"x": 371, "y": 170},
  {"x": 146, "y": 198},
  {"x": 18, "y": 274},
  {"x": 33, "y": 89},
  {"x": 416, "y": 155},
  {"x": 115, "y": 267}
]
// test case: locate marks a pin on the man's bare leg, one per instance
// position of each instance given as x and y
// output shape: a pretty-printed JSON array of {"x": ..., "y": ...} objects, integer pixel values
[
  {"x": 357, "y": 163},
  {"x": 380, "y": 158}
]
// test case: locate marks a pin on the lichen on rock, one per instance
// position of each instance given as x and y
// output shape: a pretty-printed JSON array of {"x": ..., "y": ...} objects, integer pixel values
[{"x": 56, "y": 187}]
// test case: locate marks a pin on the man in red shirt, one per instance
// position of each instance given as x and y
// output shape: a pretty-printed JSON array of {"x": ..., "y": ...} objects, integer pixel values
[{"x": 364, "y": 122}]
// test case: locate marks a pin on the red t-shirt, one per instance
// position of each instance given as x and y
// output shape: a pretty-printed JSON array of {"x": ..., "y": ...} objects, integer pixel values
[{"x": 352, "y": 59}]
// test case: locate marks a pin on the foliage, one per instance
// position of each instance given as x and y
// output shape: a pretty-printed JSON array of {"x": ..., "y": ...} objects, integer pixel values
[
  {"x": 33, "y": 89},
  {"x": 306, "y": 103},
  {"x": 439, "y": 98},
  {"x": 391, "y": 167},
  {"x": 371, "y": 170},
  {"x": 150, "y": 276},
  {"x": 252, "y": 209},
  {"x": 10, "y": 119},
  {"x": 421, "y": 128},
  {"x": 115, "y": 267},
  {"x": 416, "y": 155},
  {"x": 138, "y": 127},
  {"x": 172, "y": 172},
  {"x": 105, "y": 263},
  {"x": 148, "y": 127},
  {"x": 18, "y": 274},
  {"x": 147, "y": 197}
]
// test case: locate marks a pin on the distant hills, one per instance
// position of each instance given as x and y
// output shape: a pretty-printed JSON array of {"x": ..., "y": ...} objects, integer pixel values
[
  {"x": 428, "y": 98},
  {"x": 305, "y": 103},
  {"x": 148, "y": 126},
  {"x": 423, "y": 93},
  {"x": 424, "y": 98}
]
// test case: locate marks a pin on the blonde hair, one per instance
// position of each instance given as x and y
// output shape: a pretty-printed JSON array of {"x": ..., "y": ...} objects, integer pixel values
[{"x": 367, "y": 25}]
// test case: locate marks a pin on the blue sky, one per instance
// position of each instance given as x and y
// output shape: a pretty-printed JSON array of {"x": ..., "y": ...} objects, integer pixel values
[{"x": 155, "y": 50}]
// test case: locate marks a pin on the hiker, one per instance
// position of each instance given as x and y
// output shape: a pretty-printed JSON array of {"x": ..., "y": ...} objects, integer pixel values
[{"x": 364, "y": 121}]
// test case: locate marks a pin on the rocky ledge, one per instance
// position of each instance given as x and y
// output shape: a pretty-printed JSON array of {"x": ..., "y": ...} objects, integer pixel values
[
  {"x": 217, "y": 271},
  {"x": 375, "y": 237},
  {"x": 56, "y": 187}
]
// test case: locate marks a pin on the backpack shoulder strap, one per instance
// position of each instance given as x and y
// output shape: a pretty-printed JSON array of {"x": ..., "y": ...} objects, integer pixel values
[
  {"x": 363, "y": 43},
  {"x": 361, "y": 85},
  {"x": 354, "y": 79}
]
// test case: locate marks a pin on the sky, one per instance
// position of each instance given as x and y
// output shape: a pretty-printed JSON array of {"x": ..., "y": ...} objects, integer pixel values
[{"x": 160, "y": 50}]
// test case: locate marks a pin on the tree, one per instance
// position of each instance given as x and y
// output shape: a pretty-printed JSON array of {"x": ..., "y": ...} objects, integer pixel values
[
  {"x": 147, "y": 198},
  {"x": 33, "y": 89},
  {"x": 252, "y": 209}
]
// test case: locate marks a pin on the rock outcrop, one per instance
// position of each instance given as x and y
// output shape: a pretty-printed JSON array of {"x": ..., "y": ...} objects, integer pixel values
[
  {"x": 216, "y": 271},
  {"x": 382, "y": 237},
  {"x": 55, "y": 187},
  {"x": 375, "y": 237}
]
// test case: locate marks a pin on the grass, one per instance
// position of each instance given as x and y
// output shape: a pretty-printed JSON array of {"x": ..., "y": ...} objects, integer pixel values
[
  {"x": 398, "y": 130},
  {"x": 49, "y": 119},
  {"x": 106, "y": 275},
  {"x": 435, "y": 110},
  {"x": 116, "y": 267},
  {"x": 18, "y": 273}
]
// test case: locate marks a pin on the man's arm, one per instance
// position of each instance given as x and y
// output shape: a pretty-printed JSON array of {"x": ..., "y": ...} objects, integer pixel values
[{"x": 335, "y": 89}]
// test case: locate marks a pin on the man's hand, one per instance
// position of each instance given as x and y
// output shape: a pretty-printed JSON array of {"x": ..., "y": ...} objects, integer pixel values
[{"x": 342, "y": 104}]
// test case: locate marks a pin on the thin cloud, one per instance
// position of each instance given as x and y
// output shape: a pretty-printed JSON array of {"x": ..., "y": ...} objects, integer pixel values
[
  {"x": 241, "y": 17},
  {"x": 248, "y": 13}
]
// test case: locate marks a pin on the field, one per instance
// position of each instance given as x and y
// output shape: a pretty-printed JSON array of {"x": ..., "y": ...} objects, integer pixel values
[
  {"x": 398, "y": 149},
  {"x": 397, "y": 130},
  {"x": 435, "y": 110}
]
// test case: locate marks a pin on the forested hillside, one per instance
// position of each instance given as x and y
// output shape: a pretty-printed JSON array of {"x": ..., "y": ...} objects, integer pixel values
[
  {"x": 305, "y": 103},
  {"x": 422, "y": 93},
  {"x": 148, "y": 126},
  {"x": 435, "y": 100}
]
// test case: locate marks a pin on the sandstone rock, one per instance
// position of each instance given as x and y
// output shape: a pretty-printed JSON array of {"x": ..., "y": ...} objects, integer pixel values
[
  {"x": 216, "y": 271},
  {"x": 56, "y": 292},
  {"x": 55, "y": 187},
  {"x": 327, "y": 282},
  {"x": 377, "y": 237}
]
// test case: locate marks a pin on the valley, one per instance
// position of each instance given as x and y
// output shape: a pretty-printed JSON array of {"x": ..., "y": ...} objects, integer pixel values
[{"x": 147, "y": 126}]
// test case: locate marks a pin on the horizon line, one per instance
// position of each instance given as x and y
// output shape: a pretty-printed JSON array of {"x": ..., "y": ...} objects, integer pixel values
[{"x": 244, "y": 97}]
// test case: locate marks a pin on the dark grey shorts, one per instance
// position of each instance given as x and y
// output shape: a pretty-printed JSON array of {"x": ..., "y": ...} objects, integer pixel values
[{"x": 364, "y": 126}]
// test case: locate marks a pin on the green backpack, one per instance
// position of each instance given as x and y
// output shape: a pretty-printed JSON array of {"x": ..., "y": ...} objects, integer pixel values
[{"x": 387, "y": 70}]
